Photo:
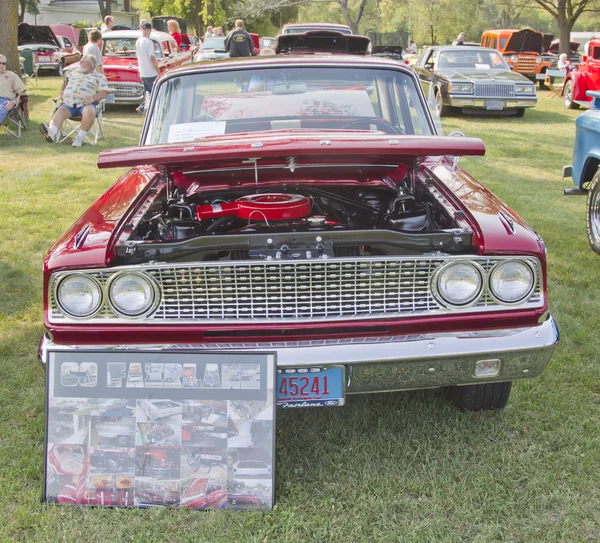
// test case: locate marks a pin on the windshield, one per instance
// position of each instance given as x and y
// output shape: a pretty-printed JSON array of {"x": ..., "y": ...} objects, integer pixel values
[
  {"x": 124, "y": 47},
  {"x": 195, "y": 106},
  {"x": 471, "y": 59},
  {"x": 214, "y": 43}
]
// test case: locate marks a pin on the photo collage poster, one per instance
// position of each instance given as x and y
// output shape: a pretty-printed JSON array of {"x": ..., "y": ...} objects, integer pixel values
[{"x": 158, "y": 429}]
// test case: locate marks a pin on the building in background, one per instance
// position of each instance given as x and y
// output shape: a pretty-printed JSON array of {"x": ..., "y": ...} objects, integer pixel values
[{"x": 71, "y": 11}]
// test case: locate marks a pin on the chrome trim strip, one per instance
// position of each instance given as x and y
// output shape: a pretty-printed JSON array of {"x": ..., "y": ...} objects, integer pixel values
[
  {"x": 395, "y": 363},
  {"x": 508, "y": 223},
  {"x": 81, "y": 236}
]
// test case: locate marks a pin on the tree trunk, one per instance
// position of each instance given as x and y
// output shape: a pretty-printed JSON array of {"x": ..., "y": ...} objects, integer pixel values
[
  {"x": 210, "y": 12},
  {"x": 9, "y": 39},
  {"x": 198, "y": 19},
  {"x": 21, "y": 10},
  {"x": 564, "y": 34},
  {"x": 102, "y": 9}
]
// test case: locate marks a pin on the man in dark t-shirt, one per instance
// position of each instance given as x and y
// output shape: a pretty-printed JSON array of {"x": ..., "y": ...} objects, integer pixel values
[{"x": 238, "y": 42}]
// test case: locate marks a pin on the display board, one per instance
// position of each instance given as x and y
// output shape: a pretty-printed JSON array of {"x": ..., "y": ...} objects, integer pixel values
[{"x": 171, "y": 429}]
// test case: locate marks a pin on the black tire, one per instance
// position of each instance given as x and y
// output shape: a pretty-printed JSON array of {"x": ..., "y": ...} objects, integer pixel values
[
  {"x": 520, "y": 111},
  {"x": 480, "y": 397},
  {"x": 592, "y": 214},
  {"x": 441, "y": 109},
  {"x": 568, "y": 96}
]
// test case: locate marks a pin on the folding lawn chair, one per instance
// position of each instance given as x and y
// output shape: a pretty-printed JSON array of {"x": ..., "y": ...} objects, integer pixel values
[
  {"x": 17, "y": 118},
  {"x": 555, "y": 81},
  {"x": 70, "y": 127}
]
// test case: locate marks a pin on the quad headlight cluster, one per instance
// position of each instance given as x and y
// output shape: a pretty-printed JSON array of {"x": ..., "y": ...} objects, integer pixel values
[
  {"x": 129, "y": 295},
  {"x": 525, "y": 89},
  {"x": 462, "y": 88},
  {"x": 463, "y": 283}
]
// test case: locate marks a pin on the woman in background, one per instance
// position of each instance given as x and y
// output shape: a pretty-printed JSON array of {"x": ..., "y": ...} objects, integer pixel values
[{"x": 175, "y": 32}]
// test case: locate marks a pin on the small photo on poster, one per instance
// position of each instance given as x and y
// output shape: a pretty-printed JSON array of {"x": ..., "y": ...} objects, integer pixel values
[
  {"x": 73, "y": 374},
  {"x": 248, "y": 410},
  {"x": 250, "y": 463},
  {"x": 154, "y": 375},
  {"x": 108, "y": 433},
  {"x": 116, "y": 374},
  {"x": 203, "y": 493},
  {"x": 190, "y": 379},
  {"x": 153, "y": 493},
  {"x": 157, "y": 462},
  {"x": 125, "y": 491},
  {"x": 69, "y": 421},
  {"x": 67, "y": 489},
  {"x": 204, "y": 435},
  {"x": 112, "y": 461},
  {"x": 203, "y": 462},
  {"x": 206, "y": 411},
  {"x": 159, "y": 411},
  {"x": 67, "y": 460},
  {"x": 212, "y": 378},
  {"x": 135, "y": 375},
  {"x": 173, "y": 374},
  {"x": 102, "y": 490},
  {"x": 231, "y": 377},
  {"x": 115, "y": 410},
  {"x": 250, "y": 375},
  {"x": 249, "y": 493},
  {"x": 166, "y": 435},
  {"x": 249, "y": 434}
]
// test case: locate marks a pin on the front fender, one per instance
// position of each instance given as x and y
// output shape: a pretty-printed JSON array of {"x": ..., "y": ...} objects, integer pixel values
[
  {"x": 586, "y": 153},
  {"x": 580, "y": 86}
]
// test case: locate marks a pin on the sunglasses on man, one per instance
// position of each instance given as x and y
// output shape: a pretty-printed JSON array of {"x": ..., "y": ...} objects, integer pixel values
[{"x": 4, "y": 63}]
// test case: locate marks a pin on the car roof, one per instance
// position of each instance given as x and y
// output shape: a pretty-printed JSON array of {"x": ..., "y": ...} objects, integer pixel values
[
  {"x": 155, "y": 35},
  {"x": 365, "y": 61}
]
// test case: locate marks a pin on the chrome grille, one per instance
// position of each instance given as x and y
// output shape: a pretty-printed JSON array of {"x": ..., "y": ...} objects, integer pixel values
[
  {"x": 127, "y": 91},
  {"x": 299, "y": 291},
  {"x": 494, "y": 90}
]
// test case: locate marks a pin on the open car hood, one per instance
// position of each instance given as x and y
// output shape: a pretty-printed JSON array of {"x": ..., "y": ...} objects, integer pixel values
[
  {"x": 322, "y": 41},
  {"x": 525, "y": 40},
  {"x": 287, "y": 146},
  {"x": 67, "y": 31},
  {"x": 554, "y": 46},
  {"x": 30, "y": 34}
]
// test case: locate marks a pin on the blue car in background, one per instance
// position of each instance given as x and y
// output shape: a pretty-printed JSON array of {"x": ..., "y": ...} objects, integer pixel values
[{"x": 584, "y": 170}]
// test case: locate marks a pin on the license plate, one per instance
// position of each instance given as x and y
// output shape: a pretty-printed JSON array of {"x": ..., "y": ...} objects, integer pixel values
[
  {"x": 494, "y": 105},
  {"x": 310, "y": 387}
]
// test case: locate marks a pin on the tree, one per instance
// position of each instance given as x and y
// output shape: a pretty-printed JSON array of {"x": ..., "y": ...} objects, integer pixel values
[
  {"x": 566, "y": 13},
  {"x": 352, "y": 22},
  {"x": 28, "y": 6},
  {"x": 105, "y": 7},
  {"x": 9, "y": 39}
]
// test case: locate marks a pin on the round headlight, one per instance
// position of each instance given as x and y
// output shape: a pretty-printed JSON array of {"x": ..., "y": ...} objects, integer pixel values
[
  {"x": 131, "y": 294},
  {"x": 514, "y": 59},
  {"x": 538, "y": 60},
  {"x": 79, "y": 295},
  {"x": 511, "y": 281},
  {"x": 459, "y": 283}
]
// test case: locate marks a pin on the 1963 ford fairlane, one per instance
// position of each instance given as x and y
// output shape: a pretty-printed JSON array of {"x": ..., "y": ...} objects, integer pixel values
[{"x": 306, "y": 206}]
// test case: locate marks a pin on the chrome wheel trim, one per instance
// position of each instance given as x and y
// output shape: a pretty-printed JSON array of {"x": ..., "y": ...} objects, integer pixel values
[
  {"x": 594, "y": 214},
  {"x": 568, "y": 93},
  {"x": 439, "y": 103}
]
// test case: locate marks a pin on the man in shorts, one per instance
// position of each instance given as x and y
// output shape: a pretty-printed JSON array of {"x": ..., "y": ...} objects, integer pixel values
[
  {"x": 11, "y": 87},
  {"x": 80, "y": 94},
  {"x": 148, "y": 65}
]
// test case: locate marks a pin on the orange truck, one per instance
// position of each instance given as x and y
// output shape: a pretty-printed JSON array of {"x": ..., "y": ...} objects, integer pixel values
[{"x": 523, "y": 51}]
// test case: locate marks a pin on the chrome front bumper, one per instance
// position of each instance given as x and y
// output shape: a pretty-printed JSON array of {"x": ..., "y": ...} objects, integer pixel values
[
  {"x": 394, "y": 363},
  {"x": 473, "y": 102}
]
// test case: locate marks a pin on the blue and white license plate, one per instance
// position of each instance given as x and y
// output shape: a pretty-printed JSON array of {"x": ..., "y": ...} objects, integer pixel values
[
  {"x": 494, "y": 105},
  {"x": 310, "y": 387}
]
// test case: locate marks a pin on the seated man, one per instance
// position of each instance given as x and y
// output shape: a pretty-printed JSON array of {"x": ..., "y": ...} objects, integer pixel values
[
  {"x": 11, "y": 87},
  {"x": 80, "y": 94}
]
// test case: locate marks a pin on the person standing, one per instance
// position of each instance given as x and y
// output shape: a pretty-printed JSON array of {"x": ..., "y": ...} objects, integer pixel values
[
  {"x": 148, "y": 65},
  {"x": 93, "y": 47},
  {"x": 462, "y": 38},
  {"x": 175, "y": 31},
  {"x": 11, "y": 87},
  {"x": 412, "y": 48},
  {"x": 109, "y": 22},
  {"x": 238, "y": 42},
  {"x": 209, "y": 32}
]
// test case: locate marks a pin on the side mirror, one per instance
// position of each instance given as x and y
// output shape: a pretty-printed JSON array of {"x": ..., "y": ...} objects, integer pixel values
[{"x": 459, "y": 134}]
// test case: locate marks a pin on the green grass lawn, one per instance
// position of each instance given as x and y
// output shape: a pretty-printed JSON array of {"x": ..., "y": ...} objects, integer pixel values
[{"x": 388, "y": 467}]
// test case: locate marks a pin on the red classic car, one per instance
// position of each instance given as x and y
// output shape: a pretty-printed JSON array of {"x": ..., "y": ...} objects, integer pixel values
[
  {"x": 585, "y": 78},
  {"x": 306, "y": 206},
  {"x": 49, "y": 51},
  {"x": 203, "y": 493},
  {"x": 121, "y": 65}
]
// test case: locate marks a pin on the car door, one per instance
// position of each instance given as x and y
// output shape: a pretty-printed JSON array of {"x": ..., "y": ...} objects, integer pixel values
[{"x": 425, "y": 70}]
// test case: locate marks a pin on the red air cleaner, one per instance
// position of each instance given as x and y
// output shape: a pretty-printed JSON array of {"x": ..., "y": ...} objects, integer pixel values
[{"x": 270, "y": 207}]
